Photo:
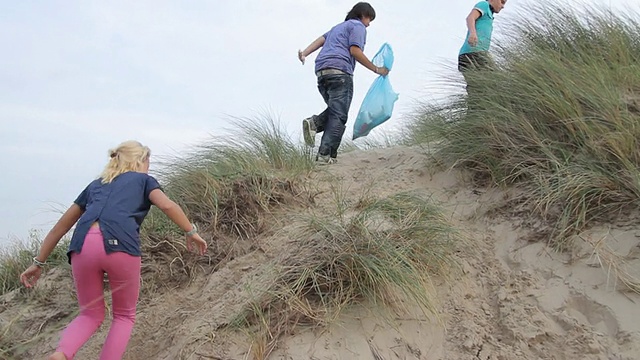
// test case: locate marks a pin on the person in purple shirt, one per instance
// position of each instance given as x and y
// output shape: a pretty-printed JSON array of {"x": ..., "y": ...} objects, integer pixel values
[
  {"x": 108, "y": 214},
  {"x": 342, "y": 46}
]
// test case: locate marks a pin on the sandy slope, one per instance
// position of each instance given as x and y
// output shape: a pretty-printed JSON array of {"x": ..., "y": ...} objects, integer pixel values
[{"x": 511, "y": 300}]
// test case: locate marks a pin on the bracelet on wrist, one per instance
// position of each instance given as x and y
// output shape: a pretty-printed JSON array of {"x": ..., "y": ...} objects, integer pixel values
[
  {"x": 38, "y": 263},
  {"x": 193, "y": 231}
]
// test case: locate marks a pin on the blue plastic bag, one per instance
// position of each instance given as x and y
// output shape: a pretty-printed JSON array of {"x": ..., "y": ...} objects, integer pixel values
[{"x": 377, "y": 105}]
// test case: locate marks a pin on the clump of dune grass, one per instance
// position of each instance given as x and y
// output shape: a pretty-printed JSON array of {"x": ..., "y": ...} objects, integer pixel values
[
  {"x": 231, "y": 187},
  {"x": 18, "y": 256},
  {"x": 558, "y": 114},
  {"x": 376, "y": 251},
  {"x": 226, "y": 184}
]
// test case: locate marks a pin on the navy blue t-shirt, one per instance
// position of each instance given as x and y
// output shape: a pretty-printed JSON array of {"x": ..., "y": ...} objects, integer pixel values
[{"x": 119, "y": 207}]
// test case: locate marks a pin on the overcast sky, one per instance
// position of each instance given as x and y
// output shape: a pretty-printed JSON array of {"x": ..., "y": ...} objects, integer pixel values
[{"x": 79, "y": 77}]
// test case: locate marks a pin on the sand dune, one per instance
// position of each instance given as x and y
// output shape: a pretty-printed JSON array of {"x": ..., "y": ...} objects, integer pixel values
[{"x": 511, "y": 298}]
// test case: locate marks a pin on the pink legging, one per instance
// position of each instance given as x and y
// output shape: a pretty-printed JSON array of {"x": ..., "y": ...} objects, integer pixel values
[{"x": 88, "y": 268}]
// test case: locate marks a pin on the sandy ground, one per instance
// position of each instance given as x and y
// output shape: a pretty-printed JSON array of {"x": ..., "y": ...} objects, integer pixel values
[{"x": 512, "y": 299}]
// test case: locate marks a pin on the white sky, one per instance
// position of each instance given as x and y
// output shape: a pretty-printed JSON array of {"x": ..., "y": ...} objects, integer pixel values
[{"x": 79, "y": 77}]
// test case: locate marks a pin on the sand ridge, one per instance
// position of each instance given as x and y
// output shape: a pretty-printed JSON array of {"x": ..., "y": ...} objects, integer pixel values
[{"x": 509, "y": 299}]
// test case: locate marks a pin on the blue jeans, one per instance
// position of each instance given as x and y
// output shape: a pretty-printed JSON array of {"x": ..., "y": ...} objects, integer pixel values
[{"x": 337, "y": 92}]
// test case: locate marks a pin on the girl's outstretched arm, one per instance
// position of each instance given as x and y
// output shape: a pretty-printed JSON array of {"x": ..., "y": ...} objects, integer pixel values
[
  {"x": 30, "y": 276},
  {"x": 66, "y": 222},
  {"x": 173, "y": 211},
  {"x": 177, "y": 215}
]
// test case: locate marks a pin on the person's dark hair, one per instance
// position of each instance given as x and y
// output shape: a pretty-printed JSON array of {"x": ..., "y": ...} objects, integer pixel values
[{"x": 360, "y": 11}]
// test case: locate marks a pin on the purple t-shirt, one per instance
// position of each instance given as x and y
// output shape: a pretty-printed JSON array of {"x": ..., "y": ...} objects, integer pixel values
[{"x": 335, "y": 52}]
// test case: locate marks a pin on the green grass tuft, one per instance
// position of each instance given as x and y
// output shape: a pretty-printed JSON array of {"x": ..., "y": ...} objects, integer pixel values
[
  {"x": 226, "y": 184},
  {"x": 559, "y": 115},
  {"x": 17, "y": 257},
  {"x": 231, "y": 187},
  {"x": 377, "y": 251}
]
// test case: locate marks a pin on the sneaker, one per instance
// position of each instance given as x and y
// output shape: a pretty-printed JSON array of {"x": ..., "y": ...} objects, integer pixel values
[
  {"x": 325, "y": 160},
  {"x": 309, "y": 131}
]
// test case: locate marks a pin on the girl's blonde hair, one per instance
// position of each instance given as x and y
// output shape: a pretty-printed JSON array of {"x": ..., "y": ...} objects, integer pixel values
[{"x": 128, "y": 156}]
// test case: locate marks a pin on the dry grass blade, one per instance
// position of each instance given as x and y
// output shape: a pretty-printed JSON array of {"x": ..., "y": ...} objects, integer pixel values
[{"x": 615, "y": 265}]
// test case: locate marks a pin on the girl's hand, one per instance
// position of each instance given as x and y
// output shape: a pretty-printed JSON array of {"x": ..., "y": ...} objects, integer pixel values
[
  {"x": 473, "y": 39},
  {"x": 30, "y": 276},
  {"x": 301, "y": 57},
  {"x": 195, "y": 242}
]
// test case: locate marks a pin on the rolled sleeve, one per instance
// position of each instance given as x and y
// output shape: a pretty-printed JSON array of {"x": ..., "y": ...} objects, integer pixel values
[
  {"x": 151, "y": 184},
  {"x": 483, "y": 7},
  {"x": 82, "y": 199}
]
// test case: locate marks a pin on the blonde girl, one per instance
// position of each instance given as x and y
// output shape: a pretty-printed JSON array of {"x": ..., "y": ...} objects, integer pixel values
[{"x": 108, "y": 214}]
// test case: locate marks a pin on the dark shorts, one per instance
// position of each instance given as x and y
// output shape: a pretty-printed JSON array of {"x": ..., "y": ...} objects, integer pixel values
[{"x": 475, "y": 60}]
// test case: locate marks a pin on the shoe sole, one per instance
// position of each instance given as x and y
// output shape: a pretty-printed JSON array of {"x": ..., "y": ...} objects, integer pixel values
[
  {"x": 325, "y": 163},
  {"x": 308, "y": 134}
]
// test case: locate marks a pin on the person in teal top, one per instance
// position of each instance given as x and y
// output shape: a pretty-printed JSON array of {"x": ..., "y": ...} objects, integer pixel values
[{"x": 474, "y": 53}]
